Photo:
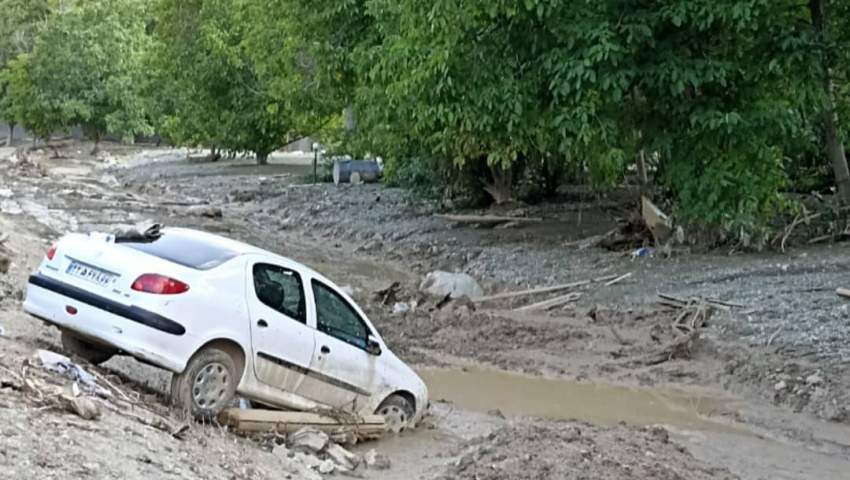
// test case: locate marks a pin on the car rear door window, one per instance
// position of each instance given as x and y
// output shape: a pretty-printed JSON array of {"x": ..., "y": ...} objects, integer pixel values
[
  {"x": 335, "y": 317},
  {"x": 281, "y": 289}
]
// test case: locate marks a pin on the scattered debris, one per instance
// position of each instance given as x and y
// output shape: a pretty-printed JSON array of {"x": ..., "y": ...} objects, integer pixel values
[
  {"x": 376, "y": 461},
  {"x": 488, "y": 219},
  {"x": 342, "y": 457},
  {"x": 642, "y": 252},
  {"x": 388, "y": 295},
  {"x": 204, "y": 211},
  {"x": 456, "y": 285},
  {"x": 400, "y": 308},
  {"x": 551, "y": 303},
  {"x": 308, "y": 440},
  {"x": 535, "y": 291},
  {"x": 63, "y": 365}
]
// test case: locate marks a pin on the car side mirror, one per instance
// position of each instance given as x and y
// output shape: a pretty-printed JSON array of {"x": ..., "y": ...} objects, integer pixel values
[{"x": 372, "y": 346}]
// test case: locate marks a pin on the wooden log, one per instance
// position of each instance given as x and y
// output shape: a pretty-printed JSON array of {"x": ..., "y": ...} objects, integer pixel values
[
  {"x": 534, "y": 291},
  {"x": 843, "y": 292},
  {"x": 552, "y": 302},
  {"x": 488, "y": 219},
  {"x": 256, "y": 420}
]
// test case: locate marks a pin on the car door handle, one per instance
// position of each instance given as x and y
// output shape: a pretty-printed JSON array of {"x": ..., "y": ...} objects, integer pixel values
[
  {"x": 325, "y": 349},
  {"x": 262, "y": 323}
]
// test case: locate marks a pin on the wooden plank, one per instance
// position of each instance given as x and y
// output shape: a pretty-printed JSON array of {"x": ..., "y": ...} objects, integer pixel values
[
  {"x": 256, "y": 420},
  {"x": 618, "y": 279},
  {"x": 534, "y": 291},
  {"x": 490, "y": 219}
]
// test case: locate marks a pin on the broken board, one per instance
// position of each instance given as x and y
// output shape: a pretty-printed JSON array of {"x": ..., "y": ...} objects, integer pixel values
[{"x": 255, "y": 420}]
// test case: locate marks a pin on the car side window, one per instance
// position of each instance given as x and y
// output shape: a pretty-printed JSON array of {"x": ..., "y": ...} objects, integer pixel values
[
  {"x": 281, "y": 289},
  {"x": 337, "y": 318}
]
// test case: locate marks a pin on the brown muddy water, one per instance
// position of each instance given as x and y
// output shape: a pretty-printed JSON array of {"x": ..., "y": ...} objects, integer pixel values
[{"x": 483, "y": 390}]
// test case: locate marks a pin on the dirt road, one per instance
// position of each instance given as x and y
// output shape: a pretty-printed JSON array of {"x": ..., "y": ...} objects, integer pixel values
[{"x": 762, "y": 393}]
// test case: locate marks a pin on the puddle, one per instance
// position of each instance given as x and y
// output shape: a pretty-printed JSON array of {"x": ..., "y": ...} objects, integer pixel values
[{"x": 520, "y": 395}]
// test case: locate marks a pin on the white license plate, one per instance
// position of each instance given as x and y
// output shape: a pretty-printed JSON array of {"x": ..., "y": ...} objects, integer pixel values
[{"x": 91, "y": 274}]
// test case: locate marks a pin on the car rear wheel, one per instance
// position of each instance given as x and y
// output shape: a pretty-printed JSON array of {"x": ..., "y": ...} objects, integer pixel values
[
  {"x": 88, "y": 351},
  {"x": 206, "y": 386},
  {"x": 398, "y": 412}
]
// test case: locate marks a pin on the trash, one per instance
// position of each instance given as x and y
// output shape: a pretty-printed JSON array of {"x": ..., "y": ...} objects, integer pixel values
[
  {"x": 342, "y": 457},
  {"x": 457, "y": 285},
  {"x": 63, "y": 365},
  {"x": 400, "y": 308},
  {"x": 642, "y": 252},
  {"x": 376, "y": 461},
  {"x": 308, "y": 440}
]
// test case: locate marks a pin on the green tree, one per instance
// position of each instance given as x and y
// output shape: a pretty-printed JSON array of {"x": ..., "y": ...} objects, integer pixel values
[
  {"x": 18, "y": 25},
  {"x": 220, "y": 90}
]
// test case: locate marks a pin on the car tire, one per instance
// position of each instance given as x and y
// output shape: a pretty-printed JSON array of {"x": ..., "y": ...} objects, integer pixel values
[
  {"x": 206, "y": 386},
  {"x": 398, "y": 412},
  {"x": 84, "y": 349}
]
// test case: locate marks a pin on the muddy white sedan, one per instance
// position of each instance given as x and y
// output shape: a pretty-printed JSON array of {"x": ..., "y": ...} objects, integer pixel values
[{"x": 226, "y": 318}]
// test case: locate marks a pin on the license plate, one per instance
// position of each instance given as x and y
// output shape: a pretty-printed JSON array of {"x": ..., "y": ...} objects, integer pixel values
[{"x": 92, "y": 274}]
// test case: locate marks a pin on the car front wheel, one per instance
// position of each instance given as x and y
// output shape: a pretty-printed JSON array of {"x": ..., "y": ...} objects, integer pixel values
[
  {"x": 90, "y": 352},
  {"x": 398, "y": 412},
  {"x": 206, "y": 386}
]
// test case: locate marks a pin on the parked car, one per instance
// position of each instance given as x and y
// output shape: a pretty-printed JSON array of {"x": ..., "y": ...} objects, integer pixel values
[{"x": 226, "y": 318}]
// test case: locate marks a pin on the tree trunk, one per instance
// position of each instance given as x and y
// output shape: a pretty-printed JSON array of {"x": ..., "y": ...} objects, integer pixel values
[
  {"x": 96, "y": 149},
  {"x": 262, "y": 158},
  {"x": 834, "y": 145},
  {"x": 501, "y": 188},
  {"x": 643, "y": 179},
  {"x": 11, "y": 137}
]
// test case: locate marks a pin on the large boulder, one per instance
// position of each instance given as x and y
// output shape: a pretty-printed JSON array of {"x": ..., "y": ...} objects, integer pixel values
[{"x": 454, "y": 284}]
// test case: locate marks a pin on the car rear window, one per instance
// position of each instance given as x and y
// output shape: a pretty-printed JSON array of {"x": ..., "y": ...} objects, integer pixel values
[{"x": 186, "y": 250}]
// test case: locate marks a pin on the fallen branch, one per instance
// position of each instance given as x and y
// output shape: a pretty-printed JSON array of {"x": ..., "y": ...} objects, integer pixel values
[
  {"x": 551, "y": 303},
  {"x": 487, "y": 219},
  {"x": 679, "y": 348},
  {"x": 618, "y": 279},
  {"x": 534, "y": 291}
]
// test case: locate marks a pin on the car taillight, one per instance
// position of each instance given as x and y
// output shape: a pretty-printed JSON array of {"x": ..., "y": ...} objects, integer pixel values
[
  {"x": 159, "y": 284},
  {"x": 51, "y": 252}
]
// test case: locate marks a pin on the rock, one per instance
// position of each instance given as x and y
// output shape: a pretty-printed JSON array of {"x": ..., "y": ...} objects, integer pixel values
[
  {"x": 308, "y": 440},
  {"x": 814, "y": 379},
  {"x": 342, "y": 457},
  {"x": 376, "y": 461},
  {"x": 4, "y": 264},
  {"x": 456, "y": 285},
  {"x": 327, "y": 467},
  {"x": 781, "y": 385}
]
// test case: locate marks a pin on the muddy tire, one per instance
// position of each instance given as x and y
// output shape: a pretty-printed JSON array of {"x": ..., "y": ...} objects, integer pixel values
[
  {"x": 398, "y": 412},
  {"x": 206, "y": 386},
  {"x": 90, "y": 352}
]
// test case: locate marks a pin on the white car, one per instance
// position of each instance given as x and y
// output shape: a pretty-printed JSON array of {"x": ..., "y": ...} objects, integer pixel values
[{"x": 226, "y": 318}]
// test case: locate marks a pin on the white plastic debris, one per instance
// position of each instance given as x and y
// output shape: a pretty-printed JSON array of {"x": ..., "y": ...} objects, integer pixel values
[{"x": 63, "y": 365}]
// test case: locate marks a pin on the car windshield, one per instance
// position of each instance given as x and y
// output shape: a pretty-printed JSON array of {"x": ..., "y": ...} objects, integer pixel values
[{"x": 185, "y": 250}]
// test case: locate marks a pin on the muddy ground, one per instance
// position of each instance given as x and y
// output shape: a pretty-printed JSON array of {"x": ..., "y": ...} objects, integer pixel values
[{"x": 762, "y": 392}]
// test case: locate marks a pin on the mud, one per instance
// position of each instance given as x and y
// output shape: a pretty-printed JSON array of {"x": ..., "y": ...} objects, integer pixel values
[{"x": 595, "y": 360}]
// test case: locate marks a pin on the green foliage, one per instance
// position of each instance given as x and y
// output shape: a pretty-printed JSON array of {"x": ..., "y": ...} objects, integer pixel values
[{"x": 96, "y": 46}]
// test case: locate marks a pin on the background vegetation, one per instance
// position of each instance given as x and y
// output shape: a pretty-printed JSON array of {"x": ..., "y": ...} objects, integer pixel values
[{"x": 725, "y": 105}]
